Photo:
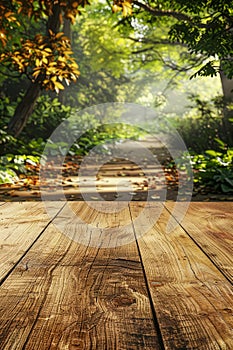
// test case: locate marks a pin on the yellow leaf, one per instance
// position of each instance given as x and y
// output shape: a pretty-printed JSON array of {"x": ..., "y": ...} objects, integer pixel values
[
  {"x": 52, "y": 64},
  {"x": 116, "y": 8},
  {"x": 68, "y": 52},
  {"x": 16, "y": 59},
  {"x": 59, "y": 35},
  {"x": 38, "y": 62},
  {"x": 127, "y": 8},
  {"x": 61, "y": 59},
  {"x": 47, "y": 49},
  {"x": 35, "y": 74},
  {"x": 59, "y": 85},
  {"x": 11, "y": 19},
  {"x": 71, "y": 17},
  {"x": 2, "y": 35},
  {"x": 73, "y": 77},
  {"x": 44, "y": 59}
]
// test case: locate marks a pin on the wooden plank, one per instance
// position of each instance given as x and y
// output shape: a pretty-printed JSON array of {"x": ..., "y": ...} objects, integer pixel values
[
  {"x": 21, "y": 224},
  {"x": 192, "y": 299},
  {"x": 211, "y": 226},
  {"x": 72, "y": 296}
]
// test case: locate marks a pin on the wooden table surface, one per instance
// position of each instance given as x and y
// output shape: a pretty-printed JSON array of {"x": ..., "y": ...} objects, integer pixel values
[{"x": 161, "y": 290}]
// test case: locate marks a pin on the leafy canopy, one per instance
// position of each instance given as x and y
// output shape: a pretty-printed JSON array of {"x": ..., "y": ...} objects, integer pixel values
[
  {"x": 205, "y": 27},
  {"x": 45, "y": 58}
]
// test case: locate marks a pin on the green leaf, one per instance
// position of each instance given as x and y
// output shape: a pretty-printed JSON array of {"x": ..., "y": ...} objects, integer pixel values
[
  {"x": 226, "y": 188},
  {"x": 220, "y": 142},
  {"x": 213, "y": 153},
  {"x": 229, "y": 181}
]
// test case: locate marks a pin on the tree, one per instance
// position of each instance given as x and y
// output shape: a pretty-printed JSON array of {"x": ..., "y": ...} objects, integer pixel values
[
  {"x": 42, "y": 55},
  {"x": 46, "y": 57},
  {"x": 104, "y": 60},
  {"x": 204, "y": 27}
]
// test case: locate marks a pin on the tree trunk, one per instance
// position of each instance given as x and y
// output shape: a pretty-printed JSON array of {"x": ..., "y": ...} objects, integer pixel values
[
  {"x": 67, "y": 31},
  {"x": 227, "y": 88},
  {"x": 24, "y": 109}
]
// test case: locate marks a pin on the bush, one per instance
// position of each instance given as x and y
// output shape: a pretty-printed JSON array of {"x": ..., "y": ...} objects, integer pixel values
[
  {"x": 214, "y": 169},
  {"x": 48, "y": 114},
  {"x": 7, "y": 175},
  {"x": 200, "y": 130},
  {"x": 100, "y": 135}
]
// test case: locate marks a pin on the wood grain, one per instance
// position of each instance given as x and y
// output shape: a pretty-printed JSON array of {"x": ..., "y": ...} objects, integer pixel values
[
  {"x": 21, "y": 224},
  {"x": 211, "y": 226},
  {"x": 192, "y": 299},
  {"x": 72, "y": 296}
]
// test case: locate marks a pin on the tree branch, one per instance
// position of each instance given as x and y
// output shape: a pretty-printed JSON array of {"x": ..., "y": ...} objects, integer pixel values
[
  {"x": 142, "y": 50},
  {"x": 174, "y": 14},
  {"x": 157, "y": 42},
  {"x": 178, "y": 15}
]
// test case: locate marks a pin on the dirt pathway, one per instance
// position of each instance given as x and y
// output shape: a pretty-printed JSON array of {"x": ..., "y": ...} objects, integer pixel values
[{"x": 131, "y": 176}]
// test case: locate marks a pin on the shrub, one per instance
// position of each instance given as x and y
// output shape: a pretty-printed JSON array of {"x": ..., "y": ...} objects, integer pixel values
[
  {"x": 200, "y": 130},
  {"x": 214, "y": 169}
]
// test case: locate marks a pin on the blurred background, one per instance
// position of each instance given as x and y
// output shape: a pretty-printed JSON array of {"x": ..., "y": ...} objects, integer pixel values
[{"x": 58, "y": 59}]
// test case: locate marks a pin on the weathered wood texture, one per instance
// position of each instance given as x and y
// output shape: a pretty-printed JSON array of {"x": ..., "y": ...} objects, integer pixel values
[
  {"x": 164, "y": 291},
  {"x": 210, "y": 225},
  {"x": 64, "y": 295},
  {"x": 192, "y": 299},
  {"x": 20, "y": 225}
]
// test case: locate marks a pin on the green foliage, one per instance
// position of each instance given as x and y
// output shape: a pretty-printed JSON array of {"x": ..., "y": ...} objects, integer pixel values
[
  {"x": 201, "y": 129},
  {"x": 108, "y": 133},
  {"x": 105, "y": 60},
  {"x": 48, "y": 114},
  {"x": 211, "y": 158},
  {"x": 13, "y": 165},
  {"x": 4, "y": 137},
  {"x": 100, "y": 135},
  {"x": 44, "y": 58},
  {"x": 33, "y": 148},
  {"x": 7, "y": 175},
  {"x": 214, "y": 170},
  {"x": 203, "y": 27},
  {"x": 205, "y": 30},
  {"x": 7, "y": 108},
  {"x": 18, "y": 163}
]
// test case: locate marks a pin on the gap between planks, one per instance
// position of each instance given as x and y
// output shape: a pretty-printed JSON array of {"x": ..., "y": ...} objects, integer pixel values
[
  {"x": 210, "y": 226},
  {"x": 72, "y": 296},
  {"x": 22, "y": 223},
  {"x": 192, "y": 298}
]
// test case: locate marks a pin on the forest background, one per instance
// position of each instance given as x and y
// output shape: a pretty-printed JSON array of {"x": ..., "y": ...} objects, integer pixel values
[{"x": 59, "y": 57}]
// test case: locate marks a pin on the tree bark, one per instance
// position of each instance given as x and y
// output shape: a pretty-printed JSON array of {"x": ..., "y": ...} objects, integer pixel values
[
  {"x": 24, "y": 109},
  {"x": 67, "y": 31},
  {"x": 227, "y": 88}
]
